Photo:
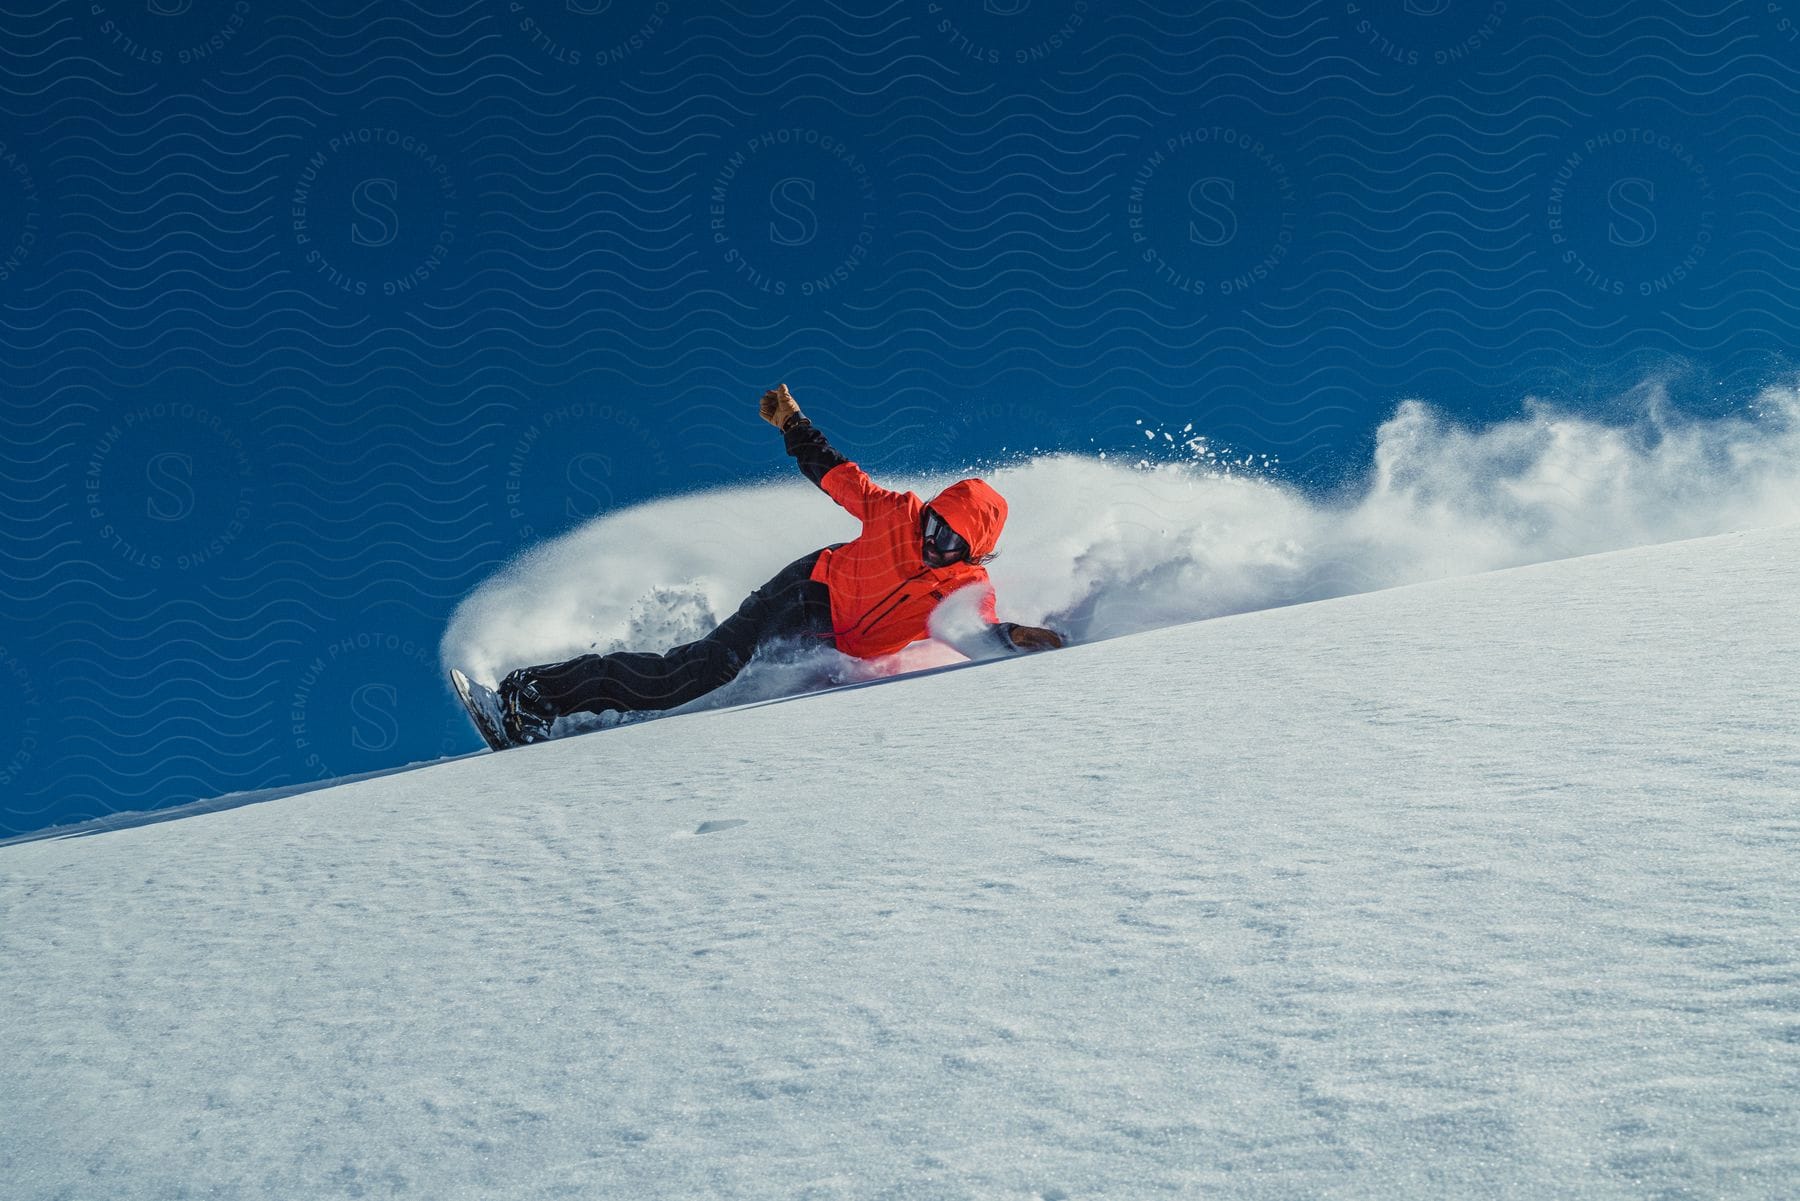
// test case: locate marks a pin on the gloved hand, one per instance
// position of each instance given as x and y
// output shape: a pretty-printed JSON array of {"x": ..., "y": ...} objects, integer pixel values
[
  {"x": 778, "y": 405},
  {"x": 1035, "y": 638}
]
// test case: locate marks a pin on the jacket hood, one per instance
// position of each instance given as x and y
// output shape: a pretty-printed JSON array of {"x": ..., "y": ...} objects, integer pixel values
[{"x": 975, "y": 511}]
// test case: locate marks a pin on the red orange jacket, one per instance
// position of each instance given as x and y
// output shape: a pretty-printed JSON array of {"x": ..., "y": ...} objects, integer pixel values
[{"x": 882, "y": 590}]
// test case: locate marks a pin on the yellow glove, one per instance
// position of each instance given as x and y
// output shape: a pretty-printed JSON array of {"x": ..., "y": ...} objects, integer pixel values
[
  {"x": 1033, "y": 638},
  {"x": 778, "y": 405}
]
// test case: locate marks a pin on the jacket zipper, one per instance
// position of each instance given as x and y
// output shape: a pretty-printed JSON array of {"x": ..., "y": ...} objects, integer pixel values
[
  {"x": 877, "y": 619},
  {"x": 865, "y": 624}
]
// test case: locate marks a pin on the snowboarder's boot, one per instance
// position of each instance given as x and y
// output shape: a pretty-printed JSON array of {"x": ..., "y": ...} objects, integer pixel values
[{"x": 524, "y": 713}]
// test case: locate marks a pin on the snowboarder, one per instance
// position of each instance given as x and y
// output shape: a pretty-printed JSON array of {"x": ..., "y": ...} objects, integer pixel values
[{"x": 867, "y": 597}]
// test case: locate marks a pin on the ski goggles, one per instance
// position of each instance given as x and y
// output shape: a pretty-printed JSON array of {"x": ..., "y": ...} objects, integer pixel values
[{"x": 943, "y": 545}]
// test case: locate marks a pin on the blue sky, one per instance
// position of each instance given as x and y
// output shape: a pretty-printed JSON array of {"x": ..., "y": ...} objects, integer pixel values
[{"x": 315, "y": 315}]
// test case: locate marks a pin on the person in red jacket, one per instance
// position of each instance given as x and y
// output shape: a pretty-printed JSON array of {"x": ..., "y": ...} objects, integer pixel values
[{"x": 867, "y": 597}]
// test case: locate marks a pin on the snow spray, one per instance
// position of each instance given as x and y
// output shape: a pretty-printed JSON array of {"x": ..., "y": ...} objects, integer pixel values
[{"x": 1102, "y": 546}]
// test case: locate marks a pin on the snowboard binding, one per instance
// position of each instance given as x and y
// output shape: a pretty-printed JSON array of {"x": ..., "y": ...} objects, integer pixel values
[
  {"x": 514, "y": 716},
  {"x": 525, "y": 716}
]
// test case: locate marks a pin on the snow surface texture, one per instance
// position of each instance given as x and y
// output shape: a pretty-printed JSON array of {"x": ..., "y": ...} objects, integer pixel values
[
  {"x": 1479, "y": 888},
  {"x": 1098, "y": 547}
]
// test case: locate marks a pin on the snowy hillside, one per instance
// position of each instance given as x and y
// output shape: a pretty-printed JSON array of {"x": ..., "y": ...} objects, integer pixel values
[{"x": 1484, "y": 887}]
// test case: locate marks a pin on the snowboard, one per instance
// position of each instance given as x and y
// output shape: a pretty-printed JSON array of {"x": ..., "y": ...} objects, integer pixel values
[{"x": 483, "y": 704}]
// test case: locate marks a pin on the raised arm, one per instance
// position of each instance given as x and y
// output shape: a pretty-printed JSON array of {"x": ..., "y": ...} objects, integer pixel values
[
  {"x": 838, "y": 477},
  {"x": 810, "y": 449}
]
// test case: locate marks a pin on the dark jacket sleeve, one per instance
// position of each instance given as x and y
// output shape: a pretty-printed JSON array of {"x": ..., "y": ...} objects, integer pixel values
[{"x": 809, "y": 448}]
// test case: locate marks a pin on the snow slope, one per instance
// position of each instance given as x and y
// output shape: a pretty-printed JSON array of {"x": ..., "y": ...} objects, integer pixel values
[{"x": 1484, "y": 887}]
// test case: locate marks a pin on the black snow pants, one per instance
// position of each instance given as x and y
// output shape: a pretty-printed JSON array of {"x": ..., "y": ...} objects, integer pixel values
[{"x": 789, "y": 605}]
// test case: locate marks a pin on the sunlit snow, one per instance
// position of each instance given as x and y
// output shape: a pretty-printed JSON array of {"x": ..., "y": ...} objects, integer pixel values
[{"x": 1485, "y": 887}]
